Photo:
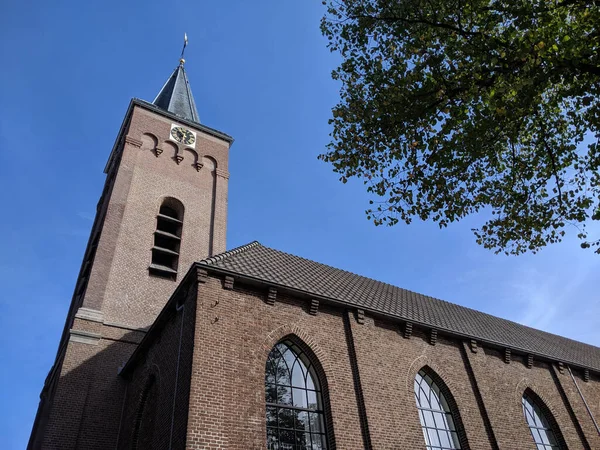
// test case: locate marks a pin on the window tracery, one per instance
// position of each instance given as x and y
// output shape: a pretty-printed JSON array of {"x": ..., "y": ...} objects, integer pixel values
[
  {"x": 437, "y": 421},
  {"x": 294, "y": 401}
]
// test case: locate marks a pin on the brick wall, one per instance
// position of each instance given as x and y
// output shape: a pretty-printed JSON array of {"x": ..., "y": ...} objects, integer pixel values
[
  {"x": 119, "y": 283},
  {"x": 388, "y": 364},
  {"x": 226, "y": 330},
  {"x": 114, "y": 285},
  {"x": 84, "y": 411},
  {"x": 367, "y": 366},
  {"x": 235, "y": 331},
  {"x": 236, "y": 328},
  {"x": 591, "y": 392},
  {"x": 168, "y": 361}
]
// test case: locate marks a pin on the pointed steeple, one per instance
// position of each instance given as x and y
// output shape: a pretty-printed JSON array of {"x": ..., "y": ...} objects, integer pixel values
[{"x": 176, "y": 95}]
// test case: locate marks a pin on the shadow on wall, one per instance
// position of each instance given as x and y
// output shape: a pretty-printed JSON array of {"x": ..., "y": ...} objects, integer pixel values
[{"x": 93, "y": 407}]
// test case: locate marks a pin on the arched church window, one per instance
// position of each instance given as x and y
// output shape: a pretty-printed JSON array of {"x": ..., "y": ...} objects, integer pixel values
[
  {"x": 294, "y": 399},
  {"x": 439, "y": 423},
  {"x": 167, "y": 239},
  {"x": 542, "y": 425}
]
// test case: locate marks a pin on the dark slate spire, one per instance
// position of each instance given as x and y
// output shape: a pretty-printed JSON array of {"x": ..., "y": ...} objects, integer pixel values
[{"x": 176, "y": 95}]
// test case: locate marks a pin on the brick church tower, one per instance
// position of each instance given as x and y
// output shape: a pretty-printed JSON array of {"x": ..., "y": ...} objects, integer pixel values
[
  {"x": 171, "y": 342},
  {"x": 163, "y": 206}
]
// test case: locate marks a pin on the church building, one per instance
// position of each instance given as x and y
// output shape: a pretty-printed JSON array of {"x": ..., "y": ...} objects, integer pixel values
[{"x": 172, "y": 341}]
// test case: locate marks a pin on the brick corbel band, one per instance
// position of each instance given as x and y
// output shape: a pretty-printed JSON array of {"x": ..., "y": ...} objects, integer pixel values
[
  {"x": 507, "y": 356},
  {"x": 271, "y": 296},
  {"x": 473, "y": 345},
  {"x": 408, "y": 329},
  {"x": 222, "y": 173},
  {"x": 202, "y": 275},
  {"x": 133, "y": 141},
  {"x": 314, "y": 307},
  {"x": 84, "y": 337},
  {"x": 228, "y": 282},
  {"x": 529, "y": 361},
  {"x": 360, "y": 316},
  {"x": 433, "y": 336}
]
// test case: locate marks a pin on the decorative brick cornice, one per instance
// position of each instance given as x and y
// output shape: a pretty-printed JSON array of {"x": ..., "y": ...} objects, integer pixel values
[
  {"x": 84, "y": 337},
  {"x": 408, "y": 329},
  {"x": 158, "y": 151},
  {"x": 314, "y": 307},
  {"x": 270, "y": 277},
  {"x": 529, "y": 361},
  {"x": 433, "y": 336},
  {"x": 198, "y": 166},
  {"x": 271, "y": 296},
  {"x": 90, "y": 314},
  {"x": 586, "y": 375},
  {"x": 360, "y": 316},
  {"x": 202, "y": 275},
  {"x": 561, "y": 367},
  {"x": 507, "y": 355},
  {"x": 228, "y": 282},
  {"x": 133, "y": 141},
  {"x": 473, "y": 345},
  {"x": 222, "y": 173},
  {"x": 178, "y": 158}
]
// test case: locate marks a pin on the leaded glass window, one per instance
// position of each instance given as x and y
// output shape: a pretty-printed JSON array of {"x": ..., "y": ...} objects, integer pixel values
[
  {"x": 295, "y": 418},
  {"x": 543, "y": 435},
  {"x": 439, "y": 428}
]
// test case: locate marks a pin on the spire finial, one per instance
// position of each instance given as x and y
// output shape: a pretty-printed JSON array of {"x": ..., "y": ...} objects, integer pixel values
[
  {"x": 176, "y": 94},
  {"x": 185, "y": 41}
]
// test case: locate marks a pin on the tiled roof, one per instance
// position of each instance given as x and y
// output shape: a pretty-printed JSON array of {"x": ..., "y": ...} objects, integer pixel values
[{"x": 277, "y": 268}]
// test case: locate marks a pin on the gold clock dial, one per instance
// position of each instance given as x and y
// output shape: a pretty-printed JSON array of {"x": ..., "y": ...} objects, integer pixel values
[{"x": 182, "y": 135}]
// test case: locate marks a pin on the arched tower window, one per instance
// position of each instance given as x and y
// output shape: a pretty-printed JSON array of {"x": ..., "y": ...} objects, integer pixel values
[
  {"x": 167, "y": 239},
  {"x": 542, "y": 425},
  {"x": 442, "y": 427},
  {"x": 294, "y": 397}
]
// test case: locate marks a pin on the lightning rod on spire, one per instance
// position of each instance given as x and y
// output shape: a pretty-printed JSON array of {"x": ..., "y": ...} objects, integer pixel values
[{"x": 185, "y": 42}]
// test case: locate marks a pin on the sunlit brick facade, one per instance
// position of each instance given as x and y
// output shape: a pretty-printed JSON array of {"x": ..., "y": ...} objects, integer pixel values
[{"x": 168, "y": 335}]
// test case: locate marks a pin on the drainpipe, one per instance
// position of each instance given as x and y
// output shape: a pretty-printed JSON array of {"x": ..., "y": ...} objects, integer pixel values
[
  {"x": 178, "y": 308},
  {"x": 584, "y": 402}
]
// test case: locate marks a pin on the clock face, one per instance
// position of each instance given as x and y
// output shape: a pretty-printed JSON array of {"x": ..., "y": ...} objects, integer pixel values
[{"x": 182, "y": 135}]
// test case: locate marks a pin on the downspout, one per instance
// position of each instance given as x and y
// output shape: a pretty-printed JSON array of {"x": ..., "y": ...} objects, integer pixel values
[
  {"x": 584, "y": 402},
  {"x": 177, "y": 308},
  {"x": 122, "y": 413}
]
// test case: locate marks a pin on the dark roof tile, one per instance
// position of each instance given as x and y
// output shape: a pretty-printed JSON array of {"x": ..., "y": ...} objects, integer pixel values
[{"x": 176, "y": 96}]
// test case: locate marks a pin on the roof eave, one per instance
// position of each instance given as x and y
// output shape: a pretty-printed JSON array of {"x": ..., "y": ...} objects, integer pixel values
[
  {"x": 208, "y": 130},
  {"x": 377, "y": 313}
]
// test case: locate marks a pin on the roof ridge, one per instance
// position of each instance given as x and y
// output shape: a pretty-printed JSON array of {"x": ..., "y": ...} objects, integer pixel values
[{"x": 234, "y": 251}]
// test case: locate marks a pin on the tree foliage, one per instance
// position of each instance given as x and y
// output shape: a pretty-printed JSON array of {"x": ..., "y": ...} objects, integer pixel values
[{"x": 451, "y": 107}]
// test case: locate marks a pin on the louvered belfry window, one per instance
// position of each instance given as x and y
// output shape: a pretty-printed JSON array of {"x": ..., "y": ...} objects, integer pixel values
[
  {"x": 437, "y": 421},
  {"x": 543, "y": 433},
  {"x": 295, "y": 412},
  {"x": 167, "y": 239}
]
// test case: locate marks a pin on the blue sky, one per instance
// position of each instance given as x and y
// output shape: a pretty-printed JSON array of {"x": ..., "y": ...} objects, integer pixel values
[{"x": 260, "y": 71}]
